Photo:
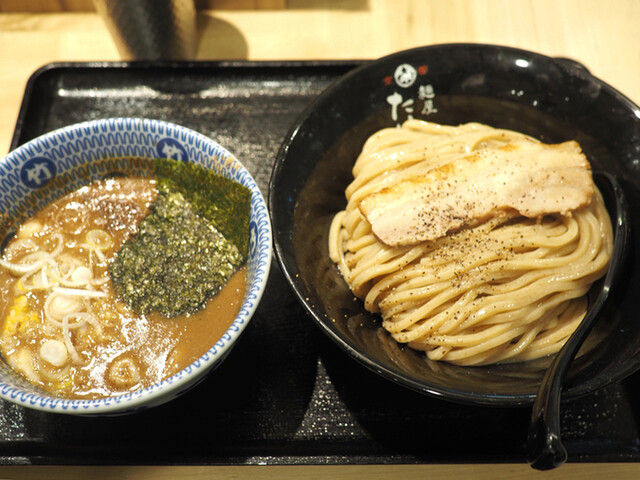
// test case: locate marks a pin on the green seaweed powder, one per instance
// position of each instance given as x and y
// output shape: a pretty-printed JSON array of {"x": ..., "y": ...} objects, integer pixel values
[
  {"x": 227, "y": 204},
  {"x": 180, "y": 257}
]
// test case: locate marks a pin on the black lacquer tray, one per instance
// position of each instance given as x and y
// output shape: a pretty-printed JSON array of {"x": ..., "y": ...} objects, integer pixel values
[{"x": 286, "y": 394}]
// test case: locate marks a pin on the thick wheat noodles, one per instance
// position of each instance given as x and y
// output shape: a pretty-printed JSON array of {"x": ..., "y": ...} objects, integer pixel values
[{"x": 505, "y": 290}]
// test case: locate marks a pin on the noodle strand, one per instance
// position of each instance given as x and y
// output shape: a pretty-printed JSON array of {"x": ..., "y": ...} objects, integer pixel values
[{"x": 505, "y": 290}]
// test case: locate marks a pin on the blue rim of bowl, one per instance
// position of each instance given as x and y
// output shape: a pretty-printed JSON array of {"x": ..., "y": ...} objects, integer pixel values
[{"x": 260, "y": 248}]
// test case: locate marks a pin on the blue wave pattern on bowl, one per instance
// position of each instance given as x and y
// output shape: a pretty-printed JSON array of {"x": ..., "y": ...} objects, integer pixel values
[{"x": 75, "y": 151}]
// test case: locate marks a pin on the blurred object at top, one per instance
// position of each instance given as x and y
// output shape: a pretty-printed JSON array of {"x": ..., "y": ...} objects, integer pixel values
[
  {"x": 151, "y": 29},
  {"x": 41, "y": 6}
]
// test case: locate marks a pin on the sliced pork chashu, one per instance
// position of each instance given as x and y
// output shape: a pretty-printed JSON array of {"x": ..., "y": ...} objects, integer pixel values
[{"x": 527, "y": 177}]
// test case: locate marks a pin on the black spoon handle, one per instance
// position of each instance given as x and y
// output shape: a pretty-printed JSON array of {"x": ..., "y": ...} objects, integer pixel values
[{"x": 544, "y": 445}]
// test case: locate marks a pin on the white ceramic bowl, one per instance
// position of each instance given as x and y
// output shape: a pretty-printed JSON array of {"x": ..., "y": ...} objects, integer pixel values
[{"x": 75, "y": 151}]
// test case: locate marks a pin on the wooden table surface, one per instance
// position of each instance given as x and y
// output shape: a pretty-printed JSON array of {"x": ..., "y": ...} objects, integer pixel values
[{"x": 601, "y": 34}]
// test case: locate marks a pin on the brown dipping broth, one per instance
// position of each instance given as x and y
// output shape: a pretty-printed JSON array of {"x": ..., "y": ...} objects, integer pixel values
[{"x": 112, "y": 350}]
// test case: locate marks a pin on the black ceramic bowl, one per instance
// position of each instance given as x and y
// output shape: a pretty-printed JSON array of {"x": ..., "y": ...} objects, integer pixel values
[{"x": 549, "y": 98}]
